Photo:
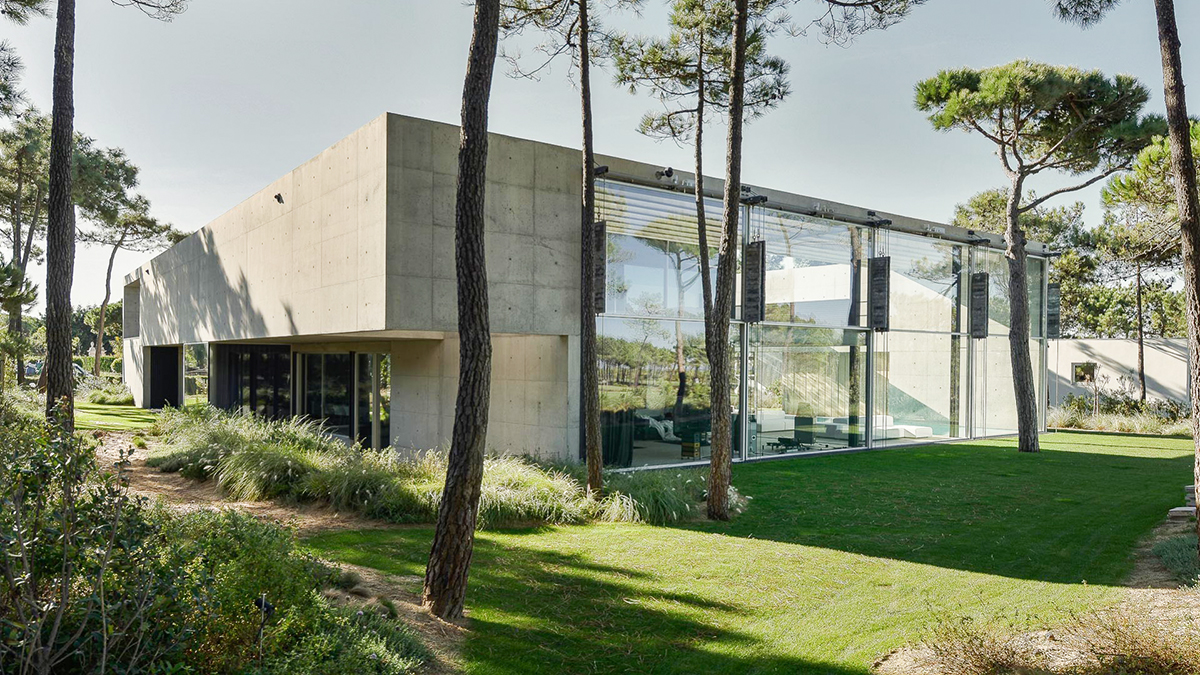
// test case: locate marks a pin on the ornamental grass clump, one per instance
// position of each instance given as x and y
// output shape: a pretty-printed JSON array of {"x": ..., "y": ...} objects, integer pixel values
[{"x": 298, "y": 460}]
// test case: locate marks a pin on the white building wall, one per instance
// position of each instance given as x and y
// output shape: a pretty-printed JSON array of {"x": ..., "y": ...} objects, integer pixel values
[{"x": 1116, "y": 366}]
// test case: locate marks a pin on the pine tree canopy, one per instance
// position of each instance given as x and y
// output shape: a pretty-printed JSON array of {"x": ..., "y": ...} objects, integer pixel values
[{"x": 1043, "y": 116}]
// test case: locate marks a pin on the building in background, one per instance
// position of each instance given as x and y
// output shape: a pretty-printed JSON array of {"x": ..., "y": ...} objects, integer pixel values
[
  {"x": 1079, "y": 366},
  {"x": 331, "y": 293}
]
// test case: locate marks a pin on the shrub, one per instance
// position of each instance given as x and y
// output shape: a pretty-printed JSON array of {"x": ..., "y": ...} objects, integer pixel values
[
  {"x": 964, "y": 646},
  {"x": 1132, "y": 641},
  {"x": 1178, "y": 554},
  {"x": 82, "y": 581}
]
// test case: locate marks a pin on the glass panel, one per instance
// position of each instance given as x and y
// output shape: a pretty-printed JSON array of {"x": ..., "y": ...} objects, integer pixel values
[
  {"x": 815, "y": 268},
  {"x": 245, "y": 390},
  {"x": 808, "y": 389},
  {"x": 654, "y": 391},
  {"x": 385, "y": 400},
  {"x": 338, "y": 388},
  {"x": 365, "y": 374},
  {"x": 195, "y": 373},
  {"x": 1035, "y": 271},
  {"x": 926, "y": 284},
  {"x": 314, "y": 367},
  {"x": 997, "y": 409},
  {"x": 920, "y": 387},
  {"x": 996, "y": 265},
  {"x": 653, "y": 250}
]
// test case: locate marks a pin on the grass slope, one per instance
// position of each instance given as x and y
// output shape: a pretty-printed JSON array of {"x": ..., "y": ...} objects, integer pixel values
[
  {"x": 90, "y": 416},
  {"x": 837, "y": 560}
]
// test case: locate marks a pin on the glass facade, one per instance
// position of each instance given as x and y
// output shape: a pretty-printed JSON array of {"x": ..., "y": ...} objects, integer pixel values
[
  {"x": 348, "y": 392},
  {"x": 811, "y": 376}
]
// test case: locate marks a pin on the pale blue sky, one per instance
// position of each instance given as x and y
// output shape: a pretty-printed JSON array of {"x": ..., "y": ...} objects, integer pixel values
[{"x": 234, "y": 93}]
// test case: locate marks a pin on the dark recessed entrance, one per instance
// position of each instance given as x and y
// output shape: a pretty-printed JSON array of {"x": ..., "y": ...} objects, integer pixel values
[{"x": 164, "y": 376}]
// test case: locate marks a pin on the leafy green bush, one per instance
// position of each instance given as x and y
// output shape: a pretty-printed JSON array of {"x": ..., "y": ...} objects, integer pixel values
[
  {"x": 1178, "y": 554},
  {"x": 298, "y": 460},
  {"x": 152, "y": 591},
  {"x": 82, "y": 582}
]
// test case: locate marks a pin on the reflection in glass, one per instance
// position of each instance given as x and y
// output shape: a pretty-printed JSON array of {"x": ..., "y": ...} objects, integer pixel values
[
  {"x": 653, "y": 250},
  {"x": 654, "y": 391},
  {"x": 927, "y": 290},
  {"x": 195, "y": 374},
  {"x": 815, "y": 268},
  {"x": 807, "y": 390},
  {"x": 920, "y": 387}
]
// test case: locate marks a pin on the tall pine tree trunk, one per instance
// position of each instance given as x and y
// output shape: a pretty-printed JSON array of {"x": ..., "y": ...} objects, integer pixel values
[
  {"x": 717, "y": 337},
  {"x": 1141, "y": 333},
  {"x": 104, "y": 308},
  {"x": 60, "y": 227},
  {"x": 589, "y": 250},
  {"x": 1183, "y": 166},
  {"x": 1018, "y": 330},
  {"x": 454, "y": 539},
  {"x": 701, "y": 217}
]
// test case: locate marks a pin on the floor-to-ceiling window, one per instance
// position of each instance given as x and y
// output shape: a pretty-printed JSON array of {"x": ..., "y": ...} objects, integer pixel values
[
  {"x": 921, "y": 365},
  {"x": 654, "y": 374},
  {"x": 253, "y": 378},
  {"x": 195, "y": 374},
  {"x": 811, "y": 376},
  {"x": 348, "y": 392},
  {"x": 807, "y": 361}
]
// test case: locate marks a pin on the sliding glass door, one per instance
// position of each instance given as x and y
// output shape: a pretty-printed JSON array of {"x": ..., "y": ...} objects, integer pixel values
[{"x": 349, "y": 392}]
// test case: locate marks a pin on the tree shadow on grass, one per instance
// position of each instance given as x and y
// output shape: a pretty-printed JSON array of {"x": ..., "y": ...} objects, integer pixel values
[
  {"x": 547, "y": 611},
  {"x": 1064, "y": 516}
]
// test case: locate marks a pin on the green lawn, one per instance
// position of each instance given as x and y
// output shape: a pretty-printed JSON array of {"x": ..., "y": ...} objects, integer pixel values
[
  {"x": 89, "y": 416},
  {"x": 837, "y": 560}
]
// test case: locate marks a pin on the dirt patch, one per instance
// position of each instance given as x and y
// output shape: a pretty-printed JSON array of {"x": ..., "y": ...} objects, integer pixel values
[
  {"x": 444, "y": 639},
  {"x": 1153, "y": 593}
]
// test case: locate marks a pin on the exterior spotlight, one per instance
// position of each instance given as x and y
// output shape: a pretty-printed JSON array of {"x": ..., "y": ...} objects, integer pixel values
[
  {"x": 279, "y": 197},
  {"x": 664, "y": 173},
  {"x": 600, "y": 170},
  {"x": 753, "y": 200}
]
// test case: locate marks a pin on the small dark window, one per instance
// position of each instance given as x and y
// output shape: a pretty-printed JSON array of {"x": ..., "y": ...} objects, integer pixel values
[{"x": 1084, "y": 373}]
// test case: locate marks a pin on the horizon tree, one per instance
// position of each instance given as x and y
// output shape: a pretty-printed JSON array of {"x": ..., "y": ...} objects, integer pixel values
[
  {"x": 15, "y": 292},
  {"x": 133, "y": 229},
  {"x": 840, "y": 21},
  {"x": 1183, "y": 169},
  {"x": 568, "y": 28},
  {"x": 1142, "y": 232},
  {"x": 60, "y": 225},
  {"x": 445, "y": 587},
  {"x": 1040, "y": 118}
]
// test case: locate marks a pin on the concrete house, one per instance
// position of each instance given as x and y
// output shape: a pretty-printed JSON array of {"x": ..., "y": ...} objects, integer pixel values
[{"x": 331, "y": 293}]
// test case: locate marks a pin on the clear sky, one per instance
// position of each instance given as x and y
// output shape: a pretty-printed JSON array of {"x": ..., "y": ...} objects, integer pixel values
[{"x": 234, "y": 93}]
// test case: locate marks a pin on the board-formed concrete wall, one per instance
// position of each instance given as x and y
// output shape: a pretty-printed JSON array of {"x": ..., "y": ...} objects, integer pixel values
[
  {"x": 532, "y": 231},
  {"x": 533, "y": 410},
  {"x": 312, "y": 264}
]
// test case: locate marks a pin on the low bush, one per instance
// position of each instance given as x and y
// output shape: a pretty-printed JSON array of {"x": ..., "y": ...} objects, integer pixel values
[
  {"x": 1178, "y": 554},
  {"x": 298, "y": 460}
]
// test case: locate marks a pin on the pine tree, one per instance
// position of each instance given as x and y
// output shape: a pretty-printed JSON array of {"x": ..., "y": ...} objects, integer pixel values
[{"x": 1040, "y": 118}]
